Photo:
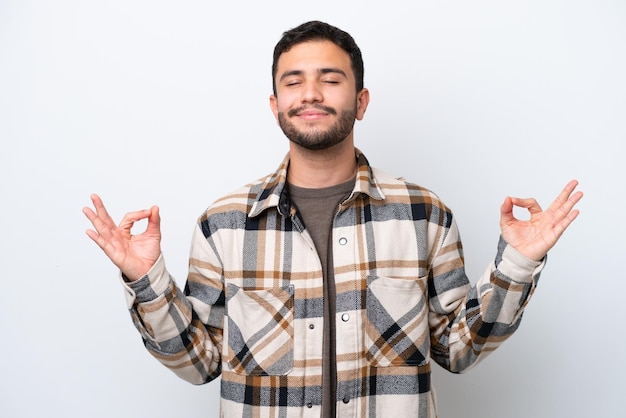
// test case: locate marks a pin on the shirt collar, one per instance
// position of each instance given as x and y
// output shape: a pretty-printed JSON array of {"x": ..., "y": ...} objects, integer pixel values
[{"x": 273, "y": 191}]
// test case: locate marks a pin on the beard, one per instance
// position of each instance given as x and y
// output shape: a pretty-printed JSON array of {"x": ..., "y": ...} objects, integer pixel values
[{"x": 315, "y": 139}]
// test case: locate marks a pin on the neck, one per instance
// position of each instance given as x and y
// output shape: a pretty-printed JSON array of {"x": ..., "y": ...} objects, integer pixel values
[{"x": 321, "y": 168}]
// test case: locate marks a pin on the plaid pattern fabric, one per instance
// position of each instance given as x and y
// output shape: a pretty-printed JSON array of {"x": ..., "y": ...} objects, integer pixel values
[{"x": 252, "y": 306}]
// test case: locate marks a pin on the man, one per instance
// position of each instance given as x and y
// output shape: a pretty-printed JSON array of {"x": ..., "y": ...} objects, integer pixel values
[{"x": 326, "y": 288}]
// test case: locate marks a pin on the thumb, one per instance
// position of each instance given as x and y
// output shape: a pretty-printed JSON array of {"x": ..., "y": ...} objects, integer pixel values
[
  {"x": 506, "y": 210},
  {"x": 154, "y": 221}
]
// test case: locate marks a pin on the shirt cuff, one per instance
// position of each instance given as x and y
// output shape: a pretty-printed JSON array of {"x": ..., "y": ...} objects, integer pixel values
[
  {"x": 149, "y": 287},
  {"x": 517, "y": 266}
]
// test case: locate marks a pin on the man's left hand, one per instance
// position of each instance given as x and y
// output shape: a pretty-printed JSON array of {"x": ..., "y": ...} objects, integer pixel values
[{"x": 535, "y": 237}]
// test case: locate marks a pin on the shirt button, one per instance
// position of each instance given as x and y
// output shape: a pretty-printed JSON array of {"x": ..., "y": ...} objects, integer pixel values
[
  {"x": 343, "y": 241},
  {"x": 311, "y": 326},
  {"x": 345, "y": 317},
  {"x": 346, "y": 399},
  {"x": 309, "y": 405}
]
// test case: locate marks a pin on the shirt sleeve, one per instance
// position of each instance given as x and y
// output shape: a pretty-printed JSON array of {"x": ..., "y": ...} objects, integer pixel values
[
  {"x": 182, "y": 330},
  {"x": 467, "y": 321}
]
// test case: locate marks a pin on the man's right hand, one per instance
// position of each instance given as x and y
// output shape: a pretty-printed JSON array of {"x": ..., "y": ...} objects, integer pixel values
[{"x": 134, "y": 255}]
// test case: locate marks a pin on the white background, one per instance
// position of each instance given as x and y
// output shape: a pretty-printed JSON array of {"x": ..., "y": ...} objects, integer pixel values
[{"x": 155, "y": 102}]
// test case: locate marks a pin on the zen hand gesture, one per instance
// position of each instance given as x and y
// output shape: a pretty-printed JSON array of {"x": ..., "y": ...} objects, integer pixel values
[
  {"x": 536, "y": 236},
  {"x": 134, "y": 255}
]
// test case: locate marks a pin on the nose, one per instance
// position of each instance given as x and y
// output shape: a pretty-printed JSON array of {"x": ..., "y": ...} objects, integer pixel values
[{"x": 312, "y": 93}]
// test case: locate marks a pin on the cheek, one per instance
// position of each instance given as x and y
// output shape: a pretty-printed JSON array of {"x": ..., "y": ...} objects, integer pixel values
[
  {"x": 285, "y": 101},
  {"x": 341, "y": 99}
]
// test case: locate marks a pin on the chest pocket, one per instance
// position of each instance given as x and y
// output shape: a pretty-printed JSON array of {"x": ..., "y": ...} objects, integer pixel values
[
  {"x": 396, "y": 323},
  {"x": 260, "y": 330}
]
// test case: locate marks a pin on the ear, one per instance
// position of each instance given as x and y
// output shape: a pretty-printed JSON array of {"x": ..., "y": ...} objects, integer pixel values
[
  {"x": 362, "y": 100},
  {"x": 274, "y": 106}
]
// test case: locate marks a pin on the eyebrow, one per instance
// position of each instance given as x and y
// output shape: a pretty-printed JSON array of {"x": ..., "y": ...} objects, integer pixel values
[{"x": 320, "y": 71}]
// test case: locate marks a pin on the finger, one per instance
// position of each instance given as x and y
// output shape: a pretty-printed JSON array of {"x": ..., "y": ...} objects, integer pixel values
[
  {"x": 154, "y": 221},
  {"x": 96, "y": 221},
  {"x": 130, "y": 218},
  {"x": 506, "y": 210},
  {"x": 567, "y": 213},
  {"x": 570, "y": 218},
  {"x": 105, "y": 242},
  {"x": 565, "y": 222},
  {"x": 529, "y": 203},
  {"x": 102, "y": 235},
  {"x": 90, "y": 214},
  {"x": 101, "y": 210},
  {"x": 565, "y": 201},
  {"x": 93, "y": 235},
  {"x": 569, "y": 187},
  {"x": 97, "y": 238},
  {"x": 564, "y": 196},
  {"x": 573, "y": 199}
]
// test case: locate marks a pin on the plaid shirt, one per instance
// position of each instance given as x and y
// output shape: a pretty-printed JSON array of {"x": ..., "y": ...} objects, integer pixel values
[{"x": 252, "y": 305}]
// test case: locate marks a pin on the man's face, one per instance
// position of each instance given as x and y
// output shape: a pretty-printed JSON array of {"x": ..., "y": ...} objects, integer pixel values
[{"x": 316, "y": 102}]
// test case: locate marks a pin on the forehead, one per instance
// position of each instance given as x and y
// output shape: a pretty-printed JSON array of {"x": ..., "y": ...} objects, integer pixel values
[{"x": 314, "y": 55}]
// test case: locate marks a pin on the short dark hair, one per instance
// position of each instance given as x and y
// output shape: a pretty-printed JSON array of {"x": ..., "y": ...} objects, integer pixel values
[{"x": 320, "y": 31}]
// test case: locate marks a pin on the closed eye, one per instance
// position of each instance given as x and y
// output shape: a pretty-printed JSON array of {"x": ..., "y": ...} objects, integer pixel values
[{"x": 290, "y": 83}]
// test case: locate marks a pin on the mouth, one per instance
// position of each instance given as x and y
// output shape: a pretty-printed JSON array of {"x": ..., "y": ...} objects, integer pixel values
[
  {"x": 312, "y": 115},
  {"x": 314, "y": 112}
]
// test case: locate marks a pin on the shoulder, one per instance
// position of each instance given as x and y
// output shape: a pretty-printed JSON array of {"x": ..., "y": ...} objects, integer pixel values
[
  {"x": 239, "y": 200},
  {"x": 394, "y": 187}
]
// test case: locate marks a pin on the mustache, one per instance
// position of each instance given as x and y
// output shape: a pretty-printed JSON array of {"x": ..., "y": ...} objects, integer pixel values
[{"x": 327, "y": 109}]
